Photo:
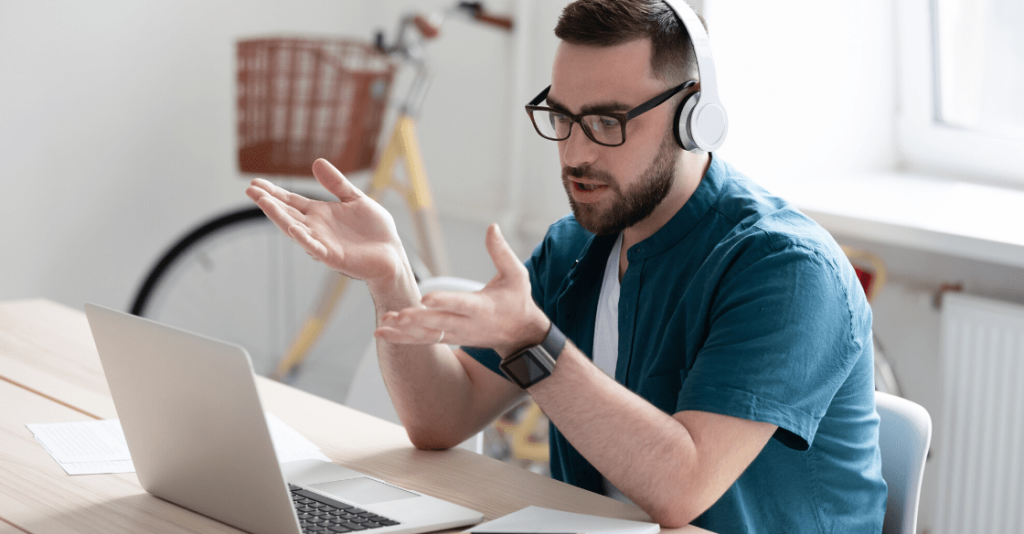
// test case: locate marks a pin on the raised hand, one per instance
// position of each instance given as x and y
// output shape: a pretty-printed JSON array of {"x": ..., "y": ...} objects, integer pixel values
[
  {"x": 355, "y": 236},
  {"x": 501, "y": 316}
]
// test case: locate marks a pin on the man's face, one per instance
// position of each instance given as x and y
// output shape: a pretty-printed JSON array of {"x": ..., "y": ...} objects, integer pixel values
[
  {"x": 613, "y": 188},
  {"x": 629, "y": 206}
]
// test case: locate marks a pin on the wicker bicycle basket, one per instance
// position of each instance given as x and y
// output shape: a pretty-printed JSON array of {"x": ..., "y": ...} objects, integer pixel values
[{"x": 303, "y": 99}]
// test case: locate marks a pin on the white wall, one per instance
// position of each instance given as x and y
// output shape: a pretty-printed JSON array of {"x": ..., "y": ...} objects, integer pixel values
[
  {"x": 117, "y": 132},
  {"x": 117, "y": 128},
  {"x": 809, "y": 85}
]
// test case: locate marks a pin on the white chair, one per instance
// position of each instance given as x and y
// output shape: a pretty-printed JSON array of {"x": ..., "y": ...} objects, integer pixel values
[
  {"x": 904, "y": 435},
  {"x": 369, "y": 394}
]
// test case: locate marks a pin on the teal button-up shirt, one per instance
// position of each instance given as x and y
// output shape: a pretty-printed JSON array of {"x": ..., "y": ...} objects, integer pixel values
[{"x": 740, "y": 305}]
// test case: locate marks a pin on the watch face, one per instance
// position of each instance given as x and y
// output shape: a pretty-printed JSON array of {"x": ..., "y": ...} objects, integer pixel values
[{"x": 524, "y": 369}]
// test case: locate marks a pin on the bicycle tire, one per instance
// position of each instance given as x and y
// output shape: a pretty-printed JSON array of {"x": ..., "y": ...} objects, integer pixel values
[
  {"x": 143, "y": 296},
  {"x": 238, "y": 278}
]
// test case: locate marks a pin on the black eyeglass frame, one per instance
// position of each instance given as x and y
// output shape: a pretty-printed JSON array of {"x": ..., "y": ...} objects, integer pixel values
[{"x": 621, "y": 117}]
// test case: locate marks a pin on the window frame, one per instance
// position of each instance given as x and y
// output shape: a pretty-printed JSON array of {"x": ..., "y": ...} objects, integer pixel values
[{"x": 925, "y": 144}]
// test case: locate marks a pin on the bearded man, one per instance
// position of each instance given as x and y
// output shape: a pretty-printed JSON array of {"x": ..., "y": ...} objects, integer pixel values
[{"x": 700, "y": 347}]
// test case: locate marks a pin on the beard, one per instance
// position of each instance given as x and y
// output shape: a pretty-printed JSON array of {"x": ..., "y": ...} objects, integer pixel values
[{"x": 634, "y": 204}]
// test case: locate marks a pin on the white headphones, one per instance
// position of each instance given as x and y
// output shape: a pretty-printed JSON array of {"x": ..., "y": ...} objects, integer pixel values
[{"x": 701, "y": 121}]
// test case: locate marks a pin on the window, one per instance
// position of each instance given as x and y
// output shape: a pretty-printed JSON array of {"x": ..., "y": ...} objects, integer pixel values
[
  {"x": 961, "y": 80},
  {"x": 979, "y": 64}
]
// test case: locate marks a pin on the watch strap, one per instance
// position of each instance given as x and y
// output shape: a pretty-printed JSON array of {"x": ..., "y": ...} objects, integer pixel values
[{"x": 554, "y": 342}]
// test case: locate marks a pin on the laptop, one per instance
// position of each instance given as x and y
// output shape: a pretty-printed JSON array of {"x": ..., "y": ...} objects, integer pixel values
[{"x": 198, "y": 436}]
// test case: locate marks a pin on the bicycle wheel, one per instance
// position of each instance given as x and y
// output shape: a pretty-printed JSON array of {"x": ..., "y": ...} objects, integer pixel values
[{"x": 239, "y": 279}]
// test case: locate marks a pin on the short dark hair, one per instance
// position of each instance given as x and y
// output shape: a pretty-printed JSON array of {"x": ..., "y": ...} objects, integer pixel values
[{"x": 614, "y": 22}]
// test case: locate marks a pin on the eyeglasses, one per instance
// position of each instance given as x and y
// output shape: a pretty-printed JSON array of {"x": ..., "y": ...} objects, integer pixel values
[{"x": 607, "y": 129}]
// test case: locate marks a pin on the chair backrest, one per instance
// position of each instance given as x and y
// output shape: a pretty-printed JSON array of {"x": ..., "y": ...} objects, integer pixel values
[
  {"x": 904, "y": 435},
  {"x": 369, "y": 394}
]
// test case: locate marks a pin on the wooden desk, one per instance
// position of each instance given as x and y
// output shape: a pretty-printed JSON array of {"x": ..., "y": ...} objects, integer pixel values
[{"x": 50, "y": 372}]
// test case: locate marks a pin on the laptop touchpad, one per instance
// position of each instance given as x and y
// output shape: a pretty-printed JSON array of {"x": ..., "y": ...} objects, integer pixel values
[{"x": 363, "y": 490}]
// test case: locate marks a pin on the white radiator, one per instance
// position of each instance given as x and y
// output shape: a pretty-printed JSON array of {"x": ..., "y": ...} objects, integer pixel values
[{"x": 979, "y": 450}]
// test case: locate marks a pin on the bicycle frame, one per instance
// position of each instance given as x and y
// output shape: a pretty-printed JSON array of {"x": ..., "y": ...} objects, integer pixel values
[{"x": 403, "y": 144}]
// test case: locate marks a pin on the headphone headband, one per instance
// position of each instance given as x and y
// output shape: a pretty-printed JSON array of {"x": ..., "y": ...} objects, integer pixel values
[{"x": 702, "y": 122}]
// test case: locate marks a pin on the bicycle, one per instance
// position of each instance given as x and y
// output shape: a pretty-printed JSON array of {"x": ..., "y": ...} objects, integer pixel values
[
  {"x": 236, "y": 277},
  {"x": 871, "y": 272}
]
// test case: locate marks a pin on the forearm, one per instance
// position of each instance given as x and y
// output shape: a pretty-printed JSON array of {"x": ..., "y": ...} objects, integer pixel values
[
  {"x": 432, "y": 391},
  {"x": 646, "y": 453},
  {"x": 428, "y": 388}
]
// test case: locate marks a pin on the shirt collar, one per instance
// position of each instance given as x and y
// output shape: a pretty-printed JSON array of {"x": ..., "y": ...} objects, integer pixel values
[{"x": 684, "y": 221}]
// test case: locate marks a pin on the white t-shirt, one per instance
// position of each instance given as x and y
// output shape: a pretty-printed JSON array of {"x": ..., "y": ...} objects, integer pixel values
[
  {"x": 606, "y": 335},
  {"x": 606, "y": 330}
]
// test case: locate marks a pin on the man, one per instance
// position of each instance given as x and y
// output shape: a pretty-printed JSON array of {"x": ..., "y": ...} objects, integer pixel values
[{"x": 719, "y": 364}]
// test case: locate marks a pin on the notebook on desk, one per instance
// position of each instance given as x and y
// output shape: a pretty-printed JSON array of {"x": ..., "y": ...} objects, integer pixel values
[{"x": 198, "y": 436}]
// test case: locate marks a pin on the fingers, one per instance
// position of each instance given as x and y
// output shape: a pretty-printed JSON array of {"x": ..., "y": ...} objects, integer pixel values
[
  {"x": 266, "y": 201},
  {"x": 300, "y": 234},
  {"x": 423, "y": 319},
  {"x": 334, "y": 181},
  {"x": 463, "y": 304},
  {"x": 277, "y": 203},
  {"x": 328, "y": 175},
  {"x": 501, "y": 253},
  {"x": 291, "y": 223},
  {"x": 279, "y": 213},
  {"x": 404, "y": 337},
  {"x": 418, "y": 326},
  {"x": 260, "y": 188}
]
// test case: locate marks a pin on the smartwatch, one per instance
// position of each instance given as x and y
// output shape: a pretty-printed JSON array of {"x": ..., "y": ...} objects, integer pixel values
[{"x": 528, "y": 366}]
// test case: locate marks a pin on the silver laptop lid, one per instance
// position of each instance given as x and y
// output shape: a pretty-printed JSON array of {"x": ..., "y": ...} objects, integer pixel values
[{"x": 193, "y": 421}]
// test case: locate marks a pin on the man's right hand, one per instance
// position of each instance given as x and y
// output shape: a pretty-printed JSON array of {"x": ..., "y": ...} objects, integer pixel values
[{"x": 355, "y": 236}]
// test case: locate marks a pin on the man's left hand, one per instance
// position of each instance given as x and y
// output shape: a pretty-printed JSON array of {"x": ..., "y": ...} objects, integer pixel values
[{"x": 501, "y": 316}]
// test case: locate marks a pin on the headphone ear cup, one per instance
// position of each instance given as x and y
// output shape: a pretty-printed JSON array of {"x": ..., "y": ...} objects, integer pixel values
[{"x": 684, "y": 115}]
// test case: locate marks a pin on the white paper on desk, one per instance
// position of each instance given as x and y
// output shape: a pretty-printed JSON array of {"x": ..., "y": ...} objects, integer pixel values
[
  {"x": 289, "y": 444},
  {"x": 84, "y": 441},
  {"x": 99, "y": 468},
  {"x": 537, "y": 520},
  {"x": 99, "y": 447}
]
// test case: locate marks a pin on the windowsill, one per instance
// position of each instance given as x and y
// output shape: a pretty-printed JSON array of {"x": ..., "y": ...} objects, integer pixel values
[{"x": 960, "y": 219}]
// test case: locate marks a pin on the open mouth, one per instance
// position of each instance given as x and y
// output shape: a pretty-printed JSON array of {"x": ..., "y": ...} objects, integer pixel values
[{"x": 587, "y": 187}]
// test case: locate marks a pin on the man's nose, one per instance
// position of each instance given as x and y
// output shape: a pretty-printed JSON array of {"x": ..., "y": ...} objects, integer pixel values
[{"x": 578, "y": 150}]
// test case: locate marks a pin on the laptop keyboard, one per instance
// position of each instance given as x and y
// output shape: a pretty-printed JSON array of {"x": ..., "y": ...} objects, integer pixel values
[{"x": 322, "y": 515}]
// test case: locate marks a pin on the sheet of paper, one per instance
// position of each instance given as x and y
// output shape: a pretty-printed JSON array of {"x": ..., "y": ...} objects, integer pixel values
[
  {"x": 537, "y": 520},
  {"x": 97, "y": 468},
  {"x": 85, "y": 441},
  {"x": 95, "y": 447},
  {"x": 289, "y": 444}
]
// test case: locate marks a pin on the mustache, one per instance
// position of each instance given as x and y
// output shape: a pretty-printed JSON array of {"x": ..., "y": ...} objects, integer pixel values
[{"x": 586, "y": 172}]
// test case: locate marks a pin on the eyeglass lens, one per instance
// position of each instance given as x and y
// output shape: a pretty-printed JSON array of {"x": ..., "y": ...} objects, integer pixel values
[{"x": 603, "y": 129}]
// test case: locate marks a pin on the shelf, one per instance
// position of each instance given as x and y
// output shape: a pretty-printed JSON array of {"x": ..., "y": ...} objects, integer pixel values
[{"x": 954, "y": 218}]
